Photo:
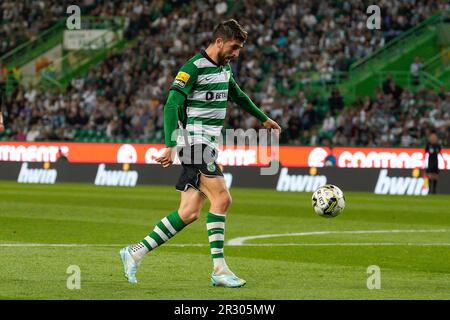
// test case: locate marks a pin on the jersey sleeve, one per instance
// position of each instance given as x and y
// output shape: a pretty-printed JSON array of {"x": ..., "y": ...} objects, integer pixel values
[
  {"x": 174, "y": 103},
  {"x": 243, "y": 101},
  {"x": 185, "y": 79}
]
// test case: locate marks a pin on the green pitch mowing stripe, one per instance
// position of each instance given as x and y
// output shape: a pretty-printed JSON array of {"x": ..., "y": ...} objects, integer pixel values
[{"x": 318, "y": 266}]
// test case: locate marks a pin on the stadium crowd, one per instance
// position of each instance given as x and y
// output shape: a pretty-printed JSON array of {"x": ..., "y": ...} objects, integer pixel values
[
  {"x": 290, "y": 42},
  {"x": 24, "y": 20}
]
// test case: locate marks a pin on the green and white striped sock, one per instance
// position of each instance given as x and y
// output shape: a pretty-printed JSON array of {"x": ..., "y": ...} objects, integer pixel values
[
  {"x": 215, "y": 224},
  {"x": 163, "y": 231}
]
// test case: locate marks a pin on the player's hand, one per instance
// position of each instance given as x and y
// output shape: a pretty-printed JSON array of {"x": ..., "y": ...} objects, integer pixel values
[
  {"x": 2, "y": 127},
  {"x": 272, "y": 125},
  {"x": 167, "y": 158}
]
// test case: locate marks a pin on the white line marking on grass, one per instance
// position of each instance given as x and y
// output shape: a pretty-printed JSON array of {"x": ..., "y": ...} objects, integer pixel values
[
  {"x": 346, "y": 244},
  {"x": 68, "y": 245},
  {"x": 343, "y": 244},
  {"x": 240, "y": 240}
]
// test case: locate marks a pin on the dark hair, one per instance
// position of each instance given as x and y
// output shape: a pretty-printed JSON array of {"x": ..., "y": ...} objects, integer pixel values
[{"x": 230, "y": 30}]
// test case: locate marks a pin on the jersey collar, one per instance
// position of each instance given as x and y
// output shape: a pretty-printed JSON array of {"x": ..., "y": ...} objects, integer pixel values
[{"x": 204, "y": 54}]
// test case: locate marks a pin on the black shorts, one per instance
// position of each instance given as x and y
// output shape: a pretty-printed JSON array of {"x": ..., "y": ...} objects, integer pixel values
[
  {"x": 197, "y": 159},
  {"x": 432, "y": 168}
]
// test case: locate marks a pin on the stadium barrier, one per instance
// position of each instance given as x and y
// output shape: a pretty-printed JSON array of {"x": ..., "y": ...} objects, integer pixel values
[
  {"x": 287, "y": 179},
  {"x": 289, "y": 156}
]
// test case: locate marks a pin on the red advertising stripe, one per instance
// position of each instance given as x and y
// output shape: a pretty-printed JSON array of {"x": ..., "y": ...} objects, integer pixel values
[{"x": 289, "y": 156}]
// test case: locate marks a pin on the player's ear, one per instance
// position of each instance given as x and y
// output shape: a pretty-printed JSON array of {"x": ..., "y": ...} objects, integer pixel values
[{"x": 219, "y": 43}]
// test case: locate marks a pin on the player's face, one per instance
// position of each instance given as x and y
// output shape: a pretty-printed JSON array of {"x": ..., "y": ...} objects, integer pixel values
[
  {"x": 229, "y": 50},
  {"x": 433, "y": 138}
]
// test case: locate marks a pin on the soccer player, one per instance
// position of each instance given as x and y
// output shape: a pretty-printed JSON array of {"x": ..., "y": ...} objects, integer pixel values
[
  {"x": 197, "y": 104},
  {"x": 433, "y": 148}
]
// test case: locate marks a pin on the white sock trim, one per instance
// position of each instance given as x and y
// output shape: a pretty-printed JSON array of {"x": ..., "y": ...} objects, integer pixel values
[
  {"x": 219, "y": 214},
  {"x": 138, "y": 253},
  {"x": 151, "y": 242},
  {"x": 161, "y": 233},
  {"x": 215, "y": 225},
  {"x": 169, "y": 227},
  {"x": 216, "y": 250},
  {"x": 216, "y": 237}
]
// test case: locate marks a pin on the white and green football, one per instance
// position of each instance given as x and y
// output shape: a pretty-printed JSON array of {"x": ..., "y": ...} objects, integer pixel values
[{"x": 328, "y": 201}]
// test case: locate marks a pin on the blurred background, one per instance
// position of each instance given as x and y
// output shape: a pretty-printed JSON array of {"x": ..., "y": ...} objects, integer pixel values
[{"x": 315, "y": 67}]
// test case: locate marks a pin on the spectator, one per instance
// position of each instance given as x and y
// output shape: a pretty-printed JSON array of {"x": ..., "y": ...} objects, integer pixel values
[
  {"x": 294, "y": 44},
  {"x": 335, "y": 102},
  {"x": 328, "y": 125},
  {"x": 330, "y": 159},
  {"x": 415, "y": 71}
]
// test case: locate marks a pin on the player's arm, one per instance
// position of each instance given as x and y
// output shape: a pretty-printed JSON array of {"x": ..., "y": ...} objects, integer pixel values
[
  {"x": 2, "y": 126},
  {"x": 242, "y": 100},
  {"x": 425, "y": 164},
  {"x": 178, "y": 93},
  {"x": 439, "y": 153},
  {"x": 174, "y": 103}
]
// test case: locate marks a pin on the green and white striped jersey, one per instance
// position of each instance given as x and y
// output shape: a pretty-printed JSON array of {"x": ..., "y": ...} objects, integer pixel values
[{"x": 206, "y": 86}]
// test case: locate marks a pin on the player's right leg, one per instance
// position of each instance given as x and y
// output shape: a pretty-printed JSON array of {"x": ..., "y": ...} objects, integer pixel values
[
  {"x": 214, "y": 187},
  {"x": 189, "y": 210},
  {"x": 433, "y": 181},
  {"x": 432, "y": 175}
]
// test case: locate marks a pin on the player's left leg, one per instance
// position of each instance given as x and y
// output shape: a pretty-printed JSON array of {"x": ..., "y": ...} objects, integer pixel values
[
  {"x": 219, "y": 196},
  {"x": 434, "y": 181},
  {"x": 189, "y": 210}
]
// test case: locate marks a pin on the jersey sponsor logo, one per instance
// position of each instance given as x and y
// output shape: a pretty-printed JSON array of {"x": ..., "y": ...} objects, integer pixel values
[
  {"x": 182, "y": 78},
  {"x": 299, "y": 183},
  {"x": 400, "y": 185},
  {"x": 216, "y": 95},
  {"x": 26, "y": 175}
]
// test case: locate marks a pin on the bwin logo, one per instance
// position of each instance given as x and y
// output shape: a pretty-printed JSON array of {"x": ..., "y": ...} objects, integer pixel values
[
  {"x": 36, "y": 175},
  {"x": 115, "y": 177},
  {"x": 299, "y": 183},
  {"x": 399, "y": 185}
]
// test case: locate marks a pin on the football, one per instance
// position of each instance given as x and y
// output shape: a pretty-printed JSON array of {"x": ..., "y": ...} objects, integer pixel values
[{"x": 328, "y": 201}]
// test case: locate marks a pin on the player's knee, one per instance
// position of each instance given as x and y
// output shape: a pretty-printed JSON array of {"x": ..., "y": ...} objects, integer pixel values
[
  {"x": 228, "y": 200},
  {"x": 223, "y": 201}
]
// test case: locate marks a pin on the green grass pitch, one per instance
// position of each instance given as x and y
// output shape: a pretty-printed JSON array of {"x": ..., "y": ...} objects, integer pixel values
[{"x": 414, "y": 265}]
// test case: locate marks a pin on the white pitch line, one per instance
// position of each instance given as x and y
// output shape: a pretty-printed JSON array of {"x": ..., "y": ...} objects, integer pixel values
[
  {"x": 349, "y": 244},
  {"x": 346, "y": 244},
  {"x": 68, "y": 245},
  {"x": 240, "y": 240}
]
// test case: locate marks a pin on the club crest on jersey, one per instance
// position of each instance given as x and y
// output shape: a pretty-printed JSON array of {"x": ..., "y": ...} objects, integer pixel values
[
  {"x": 182, "y": 78},
  {"x": 211, "y": 167}
]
